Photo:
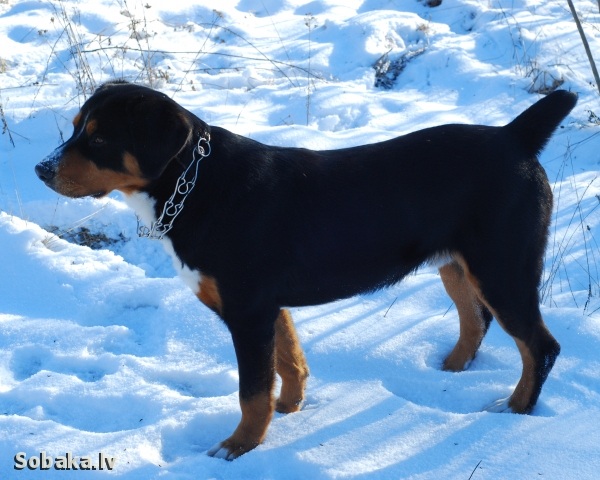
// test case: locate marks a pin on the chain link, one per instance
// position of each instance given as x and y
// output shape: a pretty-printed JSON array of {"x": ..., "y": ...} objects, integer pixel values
[{"x": 183, "y": 188}]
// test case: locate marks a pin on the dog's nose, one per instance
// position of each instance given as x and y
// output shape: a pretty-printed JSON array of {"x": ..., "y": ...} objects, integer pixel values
[{"x": 45, "y": 171}]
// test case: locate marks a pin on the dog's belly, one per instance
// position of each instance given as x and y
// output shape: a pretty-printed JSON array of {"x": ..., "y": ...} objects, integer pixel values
[{"x": 144, "y": 207}]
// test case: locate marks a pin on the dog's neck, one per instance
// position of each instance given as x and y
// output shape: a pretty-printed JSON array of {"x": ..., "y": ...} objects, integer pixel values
[{"x": 160, "y": 215}]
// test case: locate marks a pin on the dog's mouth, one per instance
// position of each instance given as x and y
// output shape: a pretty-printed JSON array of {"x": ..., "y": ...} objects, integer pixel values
[
  {"x": 50, "y": 178},
  {"x": 48, "y": 172},
  {"x": 72, "y": 192}
]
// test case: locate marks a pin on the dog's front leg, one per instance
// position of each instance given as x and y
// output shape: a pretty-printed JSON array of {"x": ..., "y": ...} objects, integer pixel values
[{"x": 254, "y": 342}]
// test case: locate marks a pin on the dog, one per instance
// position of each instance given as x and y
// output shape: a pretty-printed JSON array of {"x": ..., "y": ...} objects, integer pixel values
[{"x": 254, "y": 229}]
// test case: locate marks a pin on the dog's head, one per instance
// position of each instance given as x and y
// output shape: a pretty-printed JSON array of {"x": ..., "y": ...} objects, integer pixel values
[{"x": 124, "y": 137}]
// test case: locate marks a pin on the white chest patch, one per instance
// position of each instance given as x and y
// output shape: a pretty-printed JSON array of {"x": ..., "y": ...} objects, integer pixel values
[{"x": 144, "y": 207}]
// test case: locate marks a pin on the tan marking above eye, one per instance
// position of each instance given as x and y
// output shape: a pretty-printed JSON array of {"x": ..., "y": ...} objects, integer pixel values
[
  {"x": 91, "y": 127},
  {"x": 77, "y": 119}
]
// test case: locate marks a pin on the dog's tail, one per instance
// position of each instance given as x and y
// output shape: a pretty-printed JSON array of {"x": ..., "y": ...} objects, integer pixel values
[{"x": 535, "y": 125}]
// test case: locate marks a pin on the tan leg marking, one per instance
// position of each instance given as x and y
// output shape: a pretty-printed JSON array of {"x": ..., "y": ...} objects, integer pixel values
[
  {"x": 519, "y": 400},
  {"x": 290, "y": 364},
  {"x": 529, "y": 383},
  {"x": 469, "y": 313},
  {"x": 252, "y": 429},
  {"x": 209, "y": 294}
]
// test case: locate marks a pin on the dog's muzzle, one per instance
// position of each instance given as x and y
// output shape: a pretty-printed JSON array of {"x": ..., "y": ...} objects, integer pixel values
[{"x": 47, "y": 169}]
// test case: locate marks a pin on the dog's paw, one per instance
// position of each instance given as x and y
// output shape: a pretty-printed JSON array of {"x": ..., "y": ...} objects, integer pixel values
[
  {"x": 452, "y": 364},
  {"x": 500, "y": 406},
  {"x": 229, "y": 449},
  {"x": 288, "y": 407},
  {"x": 221, "y": 451}
]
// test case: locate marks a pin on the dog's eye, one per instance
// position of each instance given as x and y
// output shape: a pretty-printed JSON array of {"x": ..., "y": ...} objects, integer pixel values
[{"x": 97, "y": 141}]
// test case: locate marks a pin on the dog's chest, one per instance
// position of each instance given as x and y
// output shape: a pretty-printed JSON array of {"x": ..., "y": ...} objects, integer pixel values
[{"x": 144, "y": 207}]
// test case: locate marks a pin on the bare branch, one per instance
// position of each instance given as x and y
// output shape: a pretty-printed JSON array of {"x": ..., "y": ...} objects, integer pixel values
[{"x": 586, "y": 45}]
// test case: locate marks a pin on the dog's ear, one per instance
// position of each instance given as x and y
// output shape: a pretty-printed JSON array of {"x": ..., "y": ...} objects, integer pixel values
[{"x": 161, "y": 129}]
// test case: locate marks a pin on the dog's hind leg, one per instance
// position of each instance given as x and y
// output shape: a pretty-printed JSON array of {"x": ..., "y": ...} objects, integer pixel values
[
  {"x": 474, "y": 317},
  {"x": 290, "y": 364},
  {"x": 510, "y": 292}
]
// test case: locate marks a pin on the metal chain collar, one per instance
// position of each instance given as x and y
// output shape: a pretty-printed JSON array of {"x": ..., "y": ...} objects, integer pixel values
[{"x": 183, "y": 188}]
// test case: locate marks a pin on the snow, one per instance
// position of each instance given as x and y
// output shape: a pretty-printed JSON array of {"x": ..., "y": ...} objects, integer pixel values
[{"x": 106, "y": 350}]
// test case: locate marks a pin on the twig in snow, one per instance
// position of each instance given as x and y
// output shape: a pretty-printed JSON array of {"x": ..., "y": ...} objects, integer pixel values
[
  {"x": 586, "y": 45},
  {"x": 390, "y": 307},
  {"x": 5, "y": 128},
  {"x": 476, "y": 467}
]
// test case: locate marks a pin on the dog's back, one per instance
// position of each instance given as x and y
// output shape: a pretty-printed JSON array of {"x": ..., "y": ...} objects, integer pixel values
[{"x": 391, "y": 206}]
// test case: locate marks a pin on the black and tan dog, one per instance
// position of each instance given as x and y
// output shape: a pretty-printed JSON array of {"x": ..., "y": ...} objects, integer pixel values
[{"x": 256, "y": 228}]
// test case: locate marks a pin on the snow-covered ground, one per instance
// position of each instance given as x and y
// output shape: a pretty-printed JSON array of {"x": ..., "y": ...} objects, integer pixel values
[{"x": 105, "y": 350}]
